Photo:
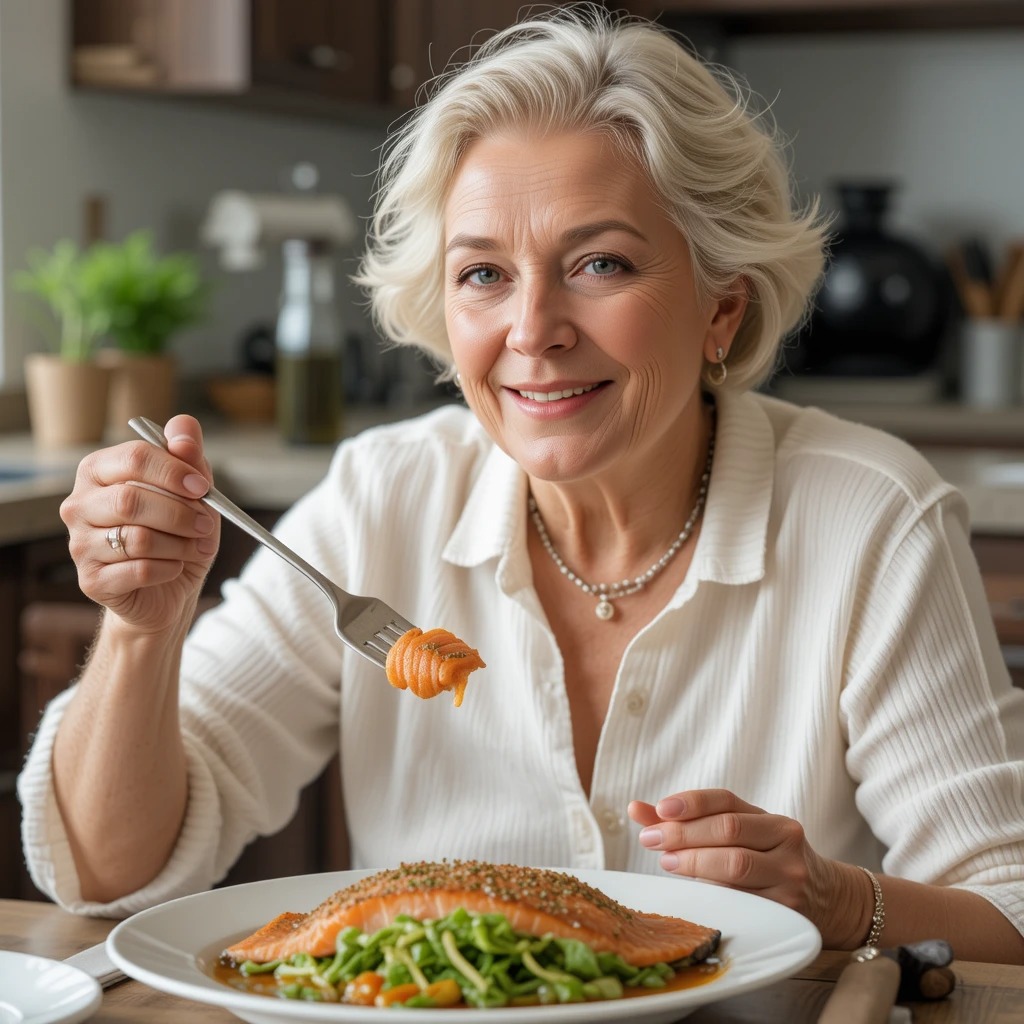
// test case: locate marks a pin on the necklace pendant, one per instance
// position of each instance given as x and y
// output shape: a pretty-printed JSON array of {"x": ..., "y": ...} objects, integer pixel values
[{"x": 604, "y": 610}]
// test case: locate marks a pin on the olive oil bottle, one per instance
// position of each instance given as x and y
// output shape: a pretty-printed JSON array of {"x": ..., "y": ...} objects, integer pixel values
[{"x": 308, "y": 342}]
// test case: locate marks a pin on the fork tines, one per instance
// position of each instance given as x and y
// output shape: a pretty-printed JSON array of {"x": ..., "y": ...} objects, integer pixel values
[{"x": 385, "y": 637}]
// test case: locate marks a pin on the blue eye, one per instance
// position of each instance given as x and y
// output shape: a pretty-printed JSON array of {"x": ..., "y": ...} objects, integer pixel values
[
  {"x": 603, "y": 266},
  {"x": 482, "y": 275}
]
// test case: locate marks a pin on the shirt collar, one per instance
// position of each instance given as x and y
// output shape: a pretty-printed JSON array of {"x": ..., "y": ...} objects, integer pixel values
[
  {"x": 492, "y": 521},
  {"x": 731, "y": 547},
  {"x": 734, "y": 534}
]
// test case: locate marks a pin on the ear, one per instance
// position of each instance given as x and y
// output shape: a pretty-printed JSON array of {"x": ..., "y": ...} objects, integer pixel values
[{"x": 726, "y": 317}]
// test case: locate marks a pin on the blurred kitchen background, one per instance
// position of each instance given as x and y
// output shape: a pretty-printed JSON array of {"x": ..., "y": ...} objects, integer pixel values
[
  {"x": 120, "y": 115},
  {"x": 126, "y": 116}
]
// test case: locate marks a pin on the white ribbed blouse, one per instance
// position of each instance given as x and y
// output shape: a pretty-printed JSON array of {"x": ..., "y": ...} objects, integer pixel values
[{"x": 829, "y": 656}]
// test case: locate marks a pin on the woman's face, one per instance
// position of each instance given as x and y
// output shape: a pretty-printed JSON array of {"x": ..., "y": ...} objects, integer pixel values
[{"x": 570, "y": 305}]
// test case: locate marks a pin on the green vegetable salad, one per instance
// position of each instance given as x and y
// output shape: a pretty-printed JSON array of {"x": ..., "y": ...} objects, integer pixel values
[{"x": 474, "y": 959}]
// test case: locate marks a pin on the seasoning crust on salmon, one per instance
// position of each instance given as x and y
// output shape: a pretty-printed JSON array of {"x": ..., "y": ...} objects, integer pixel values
[
  {"x": 535, "y": 900},
  {"x": 432, "y": 662}
]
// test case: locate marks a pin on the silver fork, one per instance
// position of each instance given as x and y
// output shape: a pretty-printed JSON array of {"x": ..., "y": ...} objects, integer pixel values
[{"x": 366, "y": 624}]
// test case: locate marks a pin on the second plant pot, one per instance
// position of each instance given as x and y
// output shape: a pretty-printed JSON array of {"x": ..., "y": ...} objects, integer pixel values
[{"x": 141, "y": 384}]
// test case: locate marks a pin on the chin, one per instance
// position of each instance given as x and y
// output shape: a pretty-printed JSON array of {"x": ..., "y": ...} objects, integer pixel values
[{"x": 558, "y": 459}]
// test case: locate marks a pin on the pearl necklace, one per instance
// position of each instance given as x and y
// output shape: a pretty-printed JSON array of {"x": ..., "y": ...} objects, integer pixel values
[{"x": 608, "y": 592}]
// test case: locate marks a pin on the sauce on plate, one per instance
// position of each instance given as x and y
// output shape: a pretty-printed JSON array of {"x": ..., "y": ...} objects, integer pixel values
[{"x": 685, "y": 978}]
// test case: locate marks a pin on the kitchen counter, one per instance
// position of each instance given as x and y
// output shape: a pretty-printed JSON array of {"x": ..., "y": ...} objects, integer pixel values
[
  {"x": 912, "y": 409},
  {"x": 251, "y": 465},
  {"x": 991, "y": 481},
  {"x": 937, "y": 423},
  {"x": 255, "y": 468}
]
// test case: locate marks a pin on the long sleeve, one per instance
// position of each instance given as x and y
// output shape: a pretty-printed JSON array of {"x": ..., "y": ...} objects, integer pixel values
[
  {"x": 259, "y": 718},
  {"x": 192, "y": 865},
  {"x": 935, "y": 729}
]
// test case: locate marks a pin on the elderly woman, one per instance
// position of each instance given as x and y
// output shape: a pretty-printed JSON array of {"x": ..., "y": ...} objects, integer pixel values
[{"x": 793, "y": 685}]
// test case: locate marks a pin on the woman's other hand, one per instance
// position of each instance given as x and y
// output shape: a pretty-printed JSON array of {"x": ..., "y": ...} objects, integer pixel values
[
  {"x": 713, "y": 835},
  {"x": 140, "y": 538}
]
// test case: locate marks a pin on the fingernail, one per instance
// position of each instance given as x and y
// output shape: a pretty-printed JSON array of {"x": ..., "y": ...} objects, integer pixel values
[
  {"x": 650, "y": 837},
  {"x": 206, "y": 546},
  {"x": 196, "y": 484},
  {"x": 672, "y": 807},
  {"x": 204, "y": 523},
  {"x": 669, "y": 861}
]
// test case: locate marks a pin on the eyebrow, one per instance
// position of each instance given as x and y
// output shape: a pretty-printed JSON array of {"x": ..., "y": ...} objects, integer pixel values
[{"x": 580, "y": 233}]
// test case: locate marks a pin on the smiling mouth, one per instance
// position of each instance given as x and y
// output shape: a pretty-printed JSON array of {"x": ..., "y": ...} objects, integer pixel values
[{"x": 554, "y": 396}]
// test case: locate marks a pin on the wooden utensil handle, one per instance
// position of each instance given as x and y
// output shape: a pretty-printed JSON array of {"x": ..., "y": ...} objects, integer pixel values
[
  {"x": 1010, "y": 296},
  {"x": 864, "y": 993}
]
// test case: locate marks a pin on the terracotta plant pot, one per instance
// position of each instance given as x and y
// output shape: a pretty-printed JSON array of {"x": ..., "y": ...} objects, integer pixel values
[
  {"x": 141, "y": 384},
  {"x": 67, "y": 401}
]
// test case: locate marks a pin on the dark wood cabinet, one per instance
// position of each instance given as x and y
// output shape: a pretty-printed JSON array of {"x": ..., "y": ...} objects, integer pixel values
[
  {"x": 327, "y": 57},
  {"x": 424, "y": 35},
  {"x": 1001, "y": 559},
  {"x": 744, "y": 17},
  {"x": 307, "y": 56},
  {"x": 37, "y": 570},
  {"x": 318, "y": 56},
  {"x": 340, "y": 59},
  {"x": 11, "y": 741},
  {"x": 320, "y": 47}
]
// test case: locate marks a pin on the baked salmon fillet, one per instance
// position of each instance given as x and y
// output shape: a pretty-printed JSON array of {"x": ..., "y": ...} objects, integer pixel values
[
  {"x": 430, "y": 663},
  {"x": 535, "y": 901}
]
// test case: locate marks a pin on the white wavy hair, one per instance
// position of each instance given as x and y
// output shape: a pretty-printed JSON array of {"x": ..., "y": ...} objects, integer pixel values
[{"x": 717, "y": 165}]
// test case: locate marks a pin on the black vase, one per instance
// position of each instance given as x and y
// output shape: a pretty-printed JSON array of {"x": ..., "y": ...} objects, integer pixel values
[{"x": 882, "y": 307}]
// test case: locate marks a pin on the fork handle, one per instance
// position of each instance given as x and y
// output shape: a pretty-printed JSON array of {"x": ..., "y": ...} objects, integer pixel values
[{"x": 151, "y": 432}]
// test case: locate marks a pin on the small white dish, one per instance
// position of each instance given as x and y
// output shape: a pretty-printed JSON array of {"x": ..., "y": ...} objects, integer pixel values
[{"x": 37, "y": 990}]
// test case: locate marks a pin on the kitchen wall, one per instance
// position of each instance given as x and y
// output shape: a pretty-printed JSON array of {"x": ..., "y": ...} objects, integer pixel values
[
  {"x": 158, "y": 162},
  {"x": 941, "y": 113}
]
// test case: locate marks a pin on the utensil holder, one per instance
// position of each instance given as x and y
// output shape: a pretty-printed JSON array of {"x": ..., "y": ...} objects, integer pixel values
[{"x": 990, "y": 363}]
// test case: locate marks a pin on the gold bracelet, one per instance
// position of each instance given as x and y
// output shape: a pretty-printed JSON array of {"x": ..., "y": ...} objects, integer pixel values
[{"x": 878, "y": 914}]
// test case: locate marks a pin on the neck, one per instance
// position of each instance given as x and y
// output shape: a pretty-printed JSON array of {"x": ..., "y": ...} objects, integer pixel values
[{"x": 614, "y": 529}]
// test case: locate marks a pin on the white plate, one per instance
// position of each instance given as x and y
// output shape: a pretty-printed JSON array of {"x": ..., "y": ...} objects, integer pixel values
[
  {"x": 37, "y": 990},
  {"x": 169, "y": 946}
]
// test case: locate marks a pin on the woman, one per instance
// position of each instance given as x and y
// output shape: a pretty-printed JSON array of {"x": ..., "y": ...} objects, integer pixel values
[{"x": 795, "y": 685}]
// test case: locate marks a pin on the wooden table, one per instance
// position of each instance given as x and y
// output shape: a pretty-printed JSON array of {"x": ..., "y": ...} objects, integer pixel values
[{"x": 985, "y": 993}]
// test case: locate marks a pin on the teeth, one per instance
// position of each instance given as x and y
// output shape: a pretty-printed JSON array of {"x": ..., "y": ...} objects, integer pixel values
[{"x": 554, "y": 396}]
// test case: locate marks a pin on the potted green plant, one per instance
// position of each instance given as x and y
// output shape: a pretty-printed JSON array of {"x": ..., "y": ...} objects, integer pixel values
[
  {"x": 66, "y": 387},
  {"x": 147, "y": 299}
]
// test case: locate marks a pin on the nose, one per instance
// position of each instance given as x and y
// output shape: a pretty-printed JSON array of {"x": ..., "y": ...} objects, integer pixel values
[{"x": 540, "y": 319}]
